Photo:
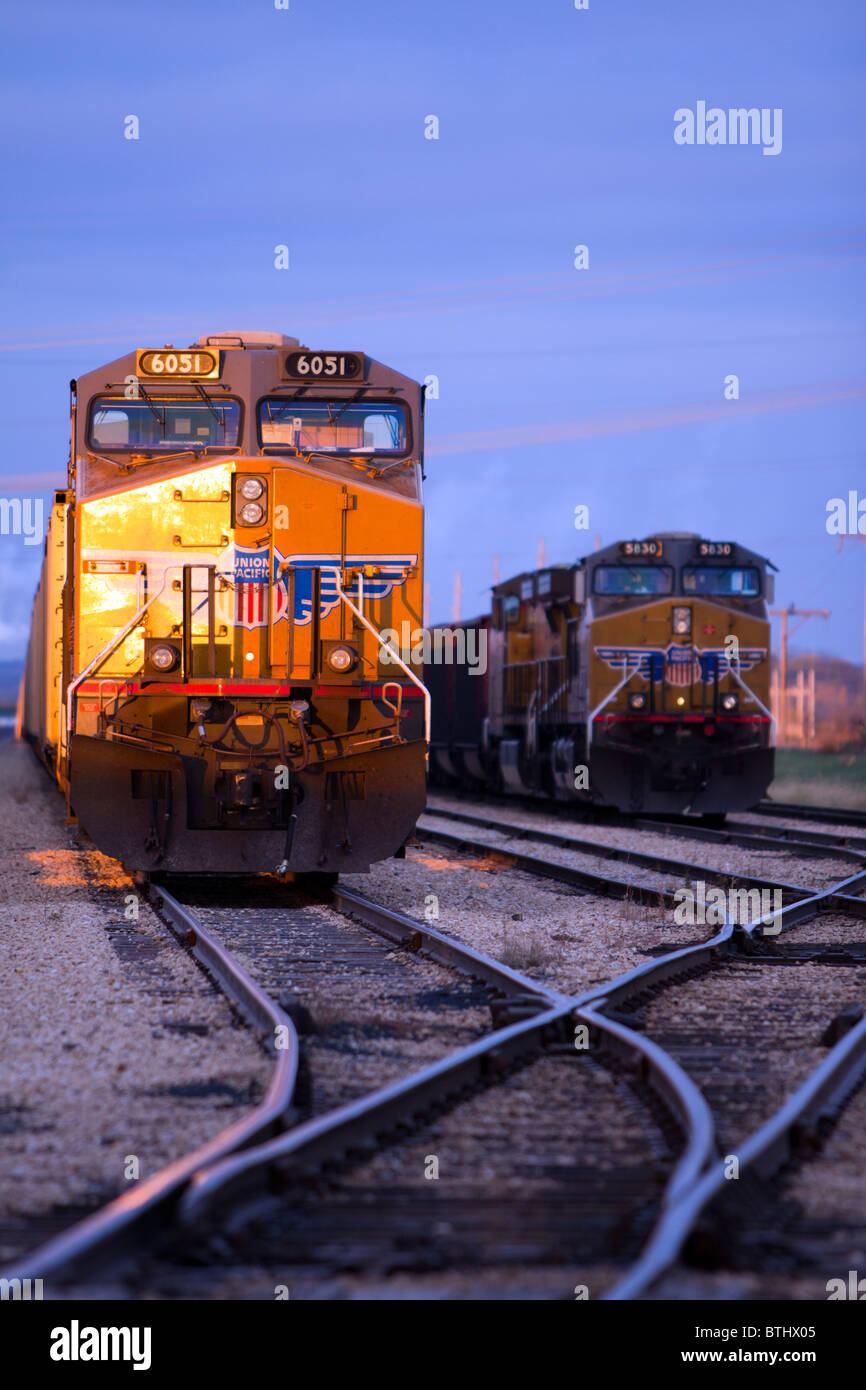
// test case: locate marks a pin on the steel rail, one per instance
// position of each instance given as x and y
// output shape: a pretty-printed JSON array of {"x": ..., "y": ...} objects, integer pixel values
[
  {"x": 831, "y": 815},
  {"x": 414, "y": 935},
  {"x": 329, "y": 1136},
  {"x": 734, "y": 832},
  {"x": 599, "y": 883},
  {"x": 808, "y": 843},
  {"x": 786, "y": 835},
  {"x": 149, "y": 1206},
  {"x": 221, "y": 1169},
  {"x": 357, "y": 1124},
  {"x": 767, "y": 1149},
  {"x": 822, "y": 1093},
  {"x": 673, "y": 1085},
  {"x": 742, "y": 835}
]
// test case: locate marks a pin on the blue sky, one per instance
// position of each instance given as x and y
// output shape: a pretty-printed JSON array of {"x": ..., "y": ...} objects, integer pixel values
[{"x": 454, "y": 256}]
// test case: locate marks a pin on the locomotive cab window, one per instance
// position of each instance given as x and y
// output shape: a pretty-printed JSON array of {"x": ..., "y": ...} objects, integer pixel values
[
  {"x": 740, "y": 582},
  {"x": 511, "y": 609},
  {"x": 164, "y": 424},
  {"x": 334, "y": 427},
  {"x": 625, "y": 581}
]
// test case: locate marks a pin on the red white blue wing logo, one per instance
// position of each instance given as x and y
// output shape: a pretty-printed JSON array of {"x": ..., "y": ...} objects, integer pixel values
[
  {"x": 250, "y": 582},
  {"x": 678, "y": 665}
]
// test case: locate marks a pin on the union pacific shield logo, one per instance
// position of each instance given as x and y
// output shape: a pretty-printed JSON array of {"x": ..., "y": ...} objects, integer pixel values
[
  {"x": 252, "y": 577},
  {"x": 682, "y": 666},
  {"x": 679, "y": 666},
  {"x": 250, "y": 584}
]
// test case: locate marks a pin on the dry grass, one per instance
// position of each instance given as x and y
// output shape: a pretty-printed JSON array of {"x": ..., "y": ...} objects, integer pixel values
[
  {"x": 814, "y": 792},
  {"x": 525, "y": 950}
]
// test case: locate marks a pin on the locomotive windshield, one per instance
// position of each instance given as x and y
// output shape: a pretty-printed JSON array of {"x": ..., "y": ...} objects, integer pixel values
[
  {"x": 164, "y": 424},
  {"x": 741, "y": 582},
  {"x": 626, "y": 580},
  {"x": 334, "y": 427}
]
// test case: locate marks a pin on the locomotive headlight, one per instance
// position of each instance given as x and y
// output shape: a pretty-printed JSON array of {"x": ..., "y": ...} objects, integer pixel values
[
  {"x": 730, "y": 702},
  {"x": 682, "y": 620},
  {"x": 251, "y": 513},
  {"x": 163, "y": 658},
  {"x": 341, "y": 659},
  {"x": 251, "y": 488},
  {"x": 637, "y": 700}
]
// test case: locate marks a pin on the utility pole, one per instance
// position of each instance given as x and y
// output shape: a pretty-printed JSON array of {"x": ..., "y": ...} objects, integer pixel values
[
  {"x": 458, "y": 598},
  {"x": 495, "y": 570},
  {"x": 838, "y": 548},
  {"x": 540, "y": 553},
  {"x": 785, "y": 614}
]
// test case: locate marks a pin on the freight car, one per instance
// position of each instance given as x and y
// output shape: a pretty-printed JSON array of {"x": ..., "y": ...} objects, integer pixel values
[
  {"x": 241, "y": 519},
  {"x": 638, "y": 678}
]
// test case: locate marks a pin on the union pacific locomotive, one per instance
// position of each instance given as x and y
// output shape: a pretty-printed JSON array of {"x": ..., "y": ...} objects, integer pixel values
[
  {"x": 242, "y": 519},
  {"x": 638, "y": 678}
]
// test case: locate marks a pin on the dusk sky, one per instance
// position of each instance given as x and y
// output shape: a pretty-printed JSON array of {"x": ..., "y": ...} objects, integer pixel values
[{"x": 455, "y": 257}]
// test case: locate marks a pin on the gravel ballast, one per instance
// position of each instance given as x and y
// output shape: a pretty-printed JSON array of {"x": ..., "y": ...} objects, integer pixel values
[{"x": 115, "y": 1046}]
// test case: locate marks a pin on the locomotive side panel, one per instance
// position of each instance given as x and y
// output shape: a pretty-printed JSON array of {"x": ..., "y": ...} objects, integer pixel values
[{"x": 39, "y": 705}]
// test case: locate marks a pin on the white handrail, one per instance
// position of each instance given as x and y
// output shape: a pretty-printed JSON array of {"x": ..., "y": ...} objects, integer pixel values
[
  {"x": 607, "y": 699},
  {"x": 762, "y": 707},
  {"x": 108, "y": 649},
  {"x": 395, "y": 655}
]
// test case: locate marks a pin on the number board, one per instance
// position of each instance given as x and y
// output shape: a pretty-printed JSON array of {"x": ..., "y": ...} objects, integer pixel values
[
  {"x": 640, "y": 549},
  {"x": 325, "y": 366},
  {"x": 164, "y": 362},
  {"x": 712, "y": 549}
]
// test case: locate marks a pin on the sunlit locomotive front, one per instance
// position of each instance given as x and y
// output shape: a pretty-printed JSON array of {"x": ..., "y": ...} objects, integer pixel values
[
  {"x": 205, "y": 677},
  {"x": 638, "y": 678}
]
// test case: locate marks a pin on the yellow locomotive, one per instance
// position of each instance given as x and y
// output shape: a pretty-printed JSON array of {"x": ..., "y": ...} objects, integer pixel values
[
  {"x": 638, "y": 678},
  {"x": 242, "y": 519}
]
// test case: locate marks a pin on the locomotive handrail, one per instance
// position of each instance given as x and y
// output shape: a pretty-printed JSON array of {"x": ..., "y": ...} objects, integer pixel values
[
  {"x": 107, "y": 650},
  {"x": 398, "y": 661},
  {"x": 761, "y": 706},
  {"x": 607, "y": 699}
]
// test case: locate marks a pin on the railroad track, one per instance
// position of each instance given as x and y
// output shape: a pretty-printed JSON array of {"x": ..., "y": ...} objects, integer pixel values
[
  {"x": 533, "y": 1033},
  {"x": 744, "y": 833},
  {"x": 502, "y": 837},
  {"x": 830, "y": 815},
  {"x": 613, "y": 1021},
  {"x": 726, "y": 1222},
  {"x": 650, "y": 1200}
]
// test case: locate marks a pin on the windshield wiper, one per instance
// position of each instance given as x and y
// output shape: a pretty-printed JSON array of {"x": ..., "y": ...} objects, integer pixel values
[
  {"x": 152, "y": 408},
  {"x": 351, "y": 401},
  {"x": 208, "y": 402}
]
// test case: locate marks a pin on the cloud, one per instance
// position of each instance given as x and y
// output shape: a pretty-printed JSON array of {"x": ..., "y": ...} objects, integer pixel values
[{"x": 664, "y": 417}]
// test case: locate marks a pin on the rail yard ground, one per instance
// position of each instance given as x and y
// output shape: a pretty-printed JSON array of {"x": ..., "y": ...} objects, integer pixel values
[
  {"x": 554, "y": 1168},
  {"x": 114, "y": 1046}
]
